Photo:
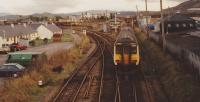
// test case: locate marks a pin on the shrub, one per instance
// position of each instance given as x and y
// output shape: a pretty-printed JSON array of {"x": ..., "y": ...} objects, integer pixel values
[{"x": 45, "y": 40}]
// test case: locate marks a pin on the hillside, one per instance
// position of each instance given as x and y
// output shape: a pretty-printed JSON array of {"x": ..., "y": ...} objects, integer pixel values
[{"x": 187, "y": 5}]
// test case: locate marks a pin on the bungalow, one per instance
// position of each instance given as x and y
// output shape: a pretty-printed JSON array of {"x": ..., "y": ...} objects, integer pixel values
[
  {"x": 13, "y": 33},
  {"x": 46, "y": 30}
]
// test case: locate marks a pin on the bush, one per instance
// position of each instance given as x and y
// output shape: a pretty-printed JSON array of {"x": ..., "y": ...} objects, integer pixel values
[
  {"x": 45, "y": 40},
  {"x": 32, "y": 43}
]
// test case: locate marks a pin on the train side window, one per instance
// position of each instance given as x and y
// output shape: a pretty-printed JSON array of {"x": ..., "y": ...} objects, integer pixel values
[
  {"x": 184, "y": 25},
  {"x": 191, "y": 25},
  {"x": 177, "y": 25}
]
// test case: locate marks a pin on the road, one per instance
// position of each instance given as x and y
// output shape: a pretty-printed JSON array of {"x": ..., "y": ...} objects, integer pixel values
[
  {"x": 50, "y": 49},
  {"x": 3, "y": 59},
  {"x": 47, "y": 49}
]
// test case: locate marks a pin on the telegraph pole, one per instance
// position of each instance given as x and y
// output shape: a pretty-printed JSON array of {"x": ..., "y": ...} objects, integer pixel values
[
  {"x": 147, "y": 28},
  {"x": 162, "y": 24}
]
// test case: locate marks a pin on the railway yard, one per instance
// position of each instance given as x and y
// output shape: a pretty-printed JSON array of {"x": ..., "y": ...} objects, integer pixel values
[
  {"x": 99, "y": 80},
  {"x": 122, "y": 66},
  {"x": 100, "y": 51}
]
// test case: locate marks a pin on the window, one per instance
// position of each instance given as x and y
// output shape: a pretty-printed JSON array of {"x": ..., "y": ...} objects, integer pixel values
[
  {"x": 184, "y": 25},
  {"x": 126, "y": 49},
  {"x": 134, "y": 49},
  {"x": 177, "y": 25},
  {"x": 169, "y": 25},
  {"x": 119, "y": 49}
]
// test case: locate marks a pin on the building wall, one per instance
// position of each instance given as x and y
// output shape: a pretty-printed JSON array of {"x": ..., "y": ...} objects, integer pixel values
[
  {"x": 43, "y": 32},
  {"x": 1, "y": 41},
  {"x": 33, "y": 36},
  {"x": 183, "y": 54}
]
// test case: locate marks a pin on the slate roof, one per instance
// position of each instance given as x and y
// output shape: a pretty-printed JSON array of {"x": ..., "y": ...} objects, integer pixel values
[
  {"x": 178, "y": 17},
  {"x": 35, "y": 26},
  {"x": 17, "y": 30},
  {"x": 53, "y": 27}
]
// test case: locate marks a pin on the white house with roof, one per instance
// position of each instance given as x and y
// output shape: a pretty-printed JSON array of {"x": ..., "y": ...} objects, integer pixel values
[
  {"x": 13, "y": 33},
  {"x": 47, "y": 30}
]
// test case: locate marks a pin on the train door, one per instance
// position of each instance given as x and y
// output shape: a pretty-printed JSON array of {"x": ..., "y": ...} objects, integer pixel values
[{"x": 126, "y": 54}]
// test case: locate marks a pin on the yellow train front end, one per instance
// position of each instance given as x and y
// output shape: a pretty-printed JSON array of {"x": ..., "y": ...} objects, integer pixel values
[{"x": 126, "y": 54}]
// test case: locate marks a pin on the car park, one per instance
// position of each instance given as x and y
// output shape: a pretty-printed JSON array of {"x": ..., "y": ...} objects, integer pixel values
[
  {"x": 11, "y": 70},
  {"x": 17, "y": 47}
]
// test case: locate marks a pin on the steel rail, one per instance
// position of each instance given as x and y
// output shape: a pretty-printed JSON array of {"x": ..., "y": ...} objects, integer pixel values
[{"x": 75, "y": 73}]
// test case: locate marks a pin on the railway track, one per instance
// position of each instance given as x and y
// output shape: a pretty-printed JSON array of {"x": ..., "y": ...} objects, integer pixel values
[
  {"x": 132, "y": 87},
  {"x": 108, "y": 81},
  {"x": 107, "y": 85},
  {"x": 126, "y": 88},
  {"x": 80, "y": 79}
]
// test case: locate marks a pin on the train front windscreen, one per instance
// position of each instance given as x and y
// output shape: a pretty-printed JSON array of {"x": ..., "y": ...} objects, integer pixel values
[{"x": 126, "y": 52}]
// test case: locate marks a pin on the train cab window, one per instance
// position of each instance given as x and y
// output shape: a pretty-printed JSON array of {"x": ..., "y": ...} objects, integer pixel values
[
  {"x": 127, "y": 49},
  {"x": 119, "y": 49},
  {"x": 134, "y": 49}
]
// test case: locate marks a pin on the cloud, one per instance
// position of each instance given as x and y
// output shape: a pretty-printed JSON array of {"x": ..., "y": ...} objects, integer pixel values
[
  {"x": 53, "y": 5},
  {"x": 63, "y": 6}
]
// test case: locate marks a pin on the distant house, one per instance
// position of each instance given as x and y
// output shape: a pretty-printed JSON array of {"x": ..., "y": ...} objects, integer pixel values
[
  {"x": 47, "y": 30},
  {"x": 114, "y": 24},
  {"x": 13, "y": 33}
]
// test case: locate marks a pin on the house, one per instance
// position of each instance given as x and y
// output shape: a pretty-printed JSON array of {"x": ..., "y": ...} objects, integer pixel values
[
  {"x": 46, "y": 30},
  {"x": 115, "y": 23},
  {"x": 13, "y": 33}
]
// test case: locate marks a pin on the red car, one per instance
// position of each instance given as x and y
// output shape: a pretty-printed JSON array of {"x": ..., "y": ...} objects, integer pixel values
[{"x": 17, "y": 47}]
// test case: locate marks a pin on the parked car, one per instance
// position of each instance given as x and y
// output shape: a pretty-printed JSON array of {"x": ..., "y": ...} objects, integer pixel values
[
  {"x": 11, "y": 70},
  {"x": 5, "y": 48},
  {"x": 17, "y": 47}
]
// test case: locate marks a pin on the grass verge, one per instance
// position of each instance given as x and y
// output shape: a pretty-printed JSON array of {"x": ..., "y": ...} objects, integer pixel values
[
  {"x": 179, "y": 85},
  {"x": 25, "y": 88}
]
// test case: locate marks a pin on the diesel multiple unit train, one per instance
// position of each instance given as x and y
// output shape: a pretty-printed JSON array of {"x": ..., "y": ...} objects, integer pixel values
[{"x": 126, "y": 48}]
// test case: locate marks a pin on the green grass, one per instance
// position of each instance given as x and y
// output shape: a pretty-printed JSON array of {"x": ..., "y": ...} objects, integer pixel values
[
  {"x": 25, "y": 89},
  {"x": 67, "y": 37},
  {"x": 39, "y": 42}
]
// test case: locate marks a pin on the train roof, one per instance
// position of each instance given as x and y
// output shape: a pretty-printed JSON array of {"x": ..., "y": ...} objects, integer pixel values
[{"x": 126, "y": 35}]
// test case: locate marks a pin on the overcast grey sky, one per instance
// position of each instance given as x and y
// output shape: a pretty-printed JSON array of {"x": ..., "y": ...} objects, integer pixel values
[{"x": 65, "y": 6}]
